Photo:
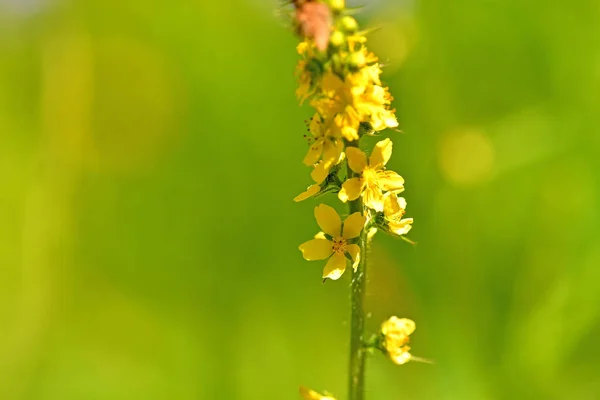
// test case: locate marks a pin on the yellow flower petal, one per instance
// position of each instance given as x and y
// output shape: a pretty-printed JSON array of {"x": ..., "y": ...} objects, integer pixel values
[
  {"x": 398, "y": 328},
  {"x": 351, "y": 189},
  {"x": 320, "y": 235},
  {"x": 328, "y": 219},
  {"x": 308, "y": 394},
  {"x": 373, "y": 198},
  {"x": 347, "y": 123},
  {"x": 390, "y": 181},
  {"x": 401, "y": 227},
  {"x": 401, "y": 357},
  {"x": 383, "y": 119},
  {"x": 350, "y": 132},
  {"x": 372, "y": 72},
  {"x": 316, "y": 126},
  {"x": 316, "y": 249},
  {"x": 314, "y": 152},
  {"x": 310, "y": 192},
  {"x": 320, "y": 172},
  {"x": 303, "y": 92},
  {"x": 381, "y": 154},
  {"x": 335, "y": 267},
  {"x": 353, "y": 225},
  {"x": 354, "y": 251},
  {"x": 393, "y": 206},
  {"x": 332, "y": 149},
  {"x": 302, "y": 47},
  {"x": 357, "y": 160},
  {"x": 331, "y": 83},
  {"x": 390, "y": 119},
  {"x": 378, "y": 96}
]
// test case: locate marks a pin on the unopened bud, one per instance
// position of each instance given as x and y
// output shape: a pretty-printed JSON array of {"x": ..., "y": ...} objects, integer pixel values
[
  {"x": 337, "y": 5},
  {"x": 348, "y": 24},
  {"x": 337, "y": 39}
]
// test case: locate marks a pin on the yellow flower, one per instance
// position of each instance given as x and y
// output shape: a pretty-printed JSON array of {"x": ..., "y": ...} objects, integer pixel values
[
  {"x": 305, "y": 89},
  {"x": 358, "y": 98},
  {"x": 374, "y": 178},
  {"x": 308, "y": 193},
  {"x": 308, "y": 394},
  {"x": 325, "y": 147},
  {"x": 394, "y": 208},
  {"x": 370, "y": 73},
  {"x": 337, "y": 105},
  {"x": 304, "y": 48},
  {"x": 373, "y": 104},
  {"x": 333, "y": 242},
  {"x": 396, "y": 332},
  {"x": 318, "y": 174}
]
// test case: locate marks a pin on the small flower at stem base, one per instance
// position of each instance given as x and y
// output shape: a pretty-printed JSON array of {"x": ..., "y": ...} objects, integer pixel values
[
  {"x": 308, "y": 394},
  {"x": 396, "y": 335}
]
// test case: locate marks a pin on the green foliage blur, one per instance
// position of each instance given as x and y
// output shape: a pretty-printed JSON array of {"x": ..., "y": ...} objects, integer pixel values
[{"x": 149, "y": 154}]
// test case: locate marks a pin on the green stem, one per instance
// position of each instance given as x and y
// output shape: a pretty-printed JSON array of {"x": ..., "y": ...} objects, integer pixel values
[{"x": 356, "y": 384}]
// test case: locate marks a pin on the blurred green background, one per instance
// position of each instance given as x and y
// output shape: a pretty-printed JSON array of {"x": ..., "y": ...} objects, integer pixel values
[{"x": 149, "y": 152}]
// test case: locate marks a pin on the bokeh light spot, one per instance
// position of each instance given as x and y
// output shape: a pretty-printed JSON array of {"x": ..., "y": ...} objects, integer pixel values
[
  {"x": 466, "y": 157},
  {"x": 135, "y": 104}
]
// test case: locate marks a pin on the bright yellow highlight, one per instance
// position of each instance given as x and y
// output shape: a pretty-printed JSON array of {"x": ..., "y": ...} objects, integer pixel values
[
  {"x": 374, "y": 179},
  {"x": 394, "y": 208},
  {"x": 308, "y": 394},
  {"x": 466, "y": 157},
  {"x": 333, "y": 243},
  {"x": 396, "y": 332}
]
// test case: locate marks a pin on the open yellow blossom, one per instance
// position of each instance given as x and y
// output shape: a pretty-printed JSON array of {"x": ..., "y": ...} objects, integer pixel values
[
  {"x": 318, "y": 174},
  {"x": 308, "y": 394},
  {"x": 396, "y": 333},
  {"x": 358, "y": 98},
  {"x": 374, "y": 179},
  {"x": 394, "y": 208},
  {"x": 338, "y": 247},
  {"x": 325, "y": 147}
]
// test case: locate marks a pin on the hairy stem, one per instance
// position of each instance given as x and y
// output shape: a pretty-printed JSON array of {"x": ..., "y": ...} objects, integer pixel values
[{"x": 356, "y": 382}]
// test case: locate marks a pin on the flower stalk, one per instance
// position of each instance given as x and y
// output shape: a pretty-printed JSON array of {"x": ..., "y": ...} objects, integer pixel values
[
  {"x": 356, "y": 373},
  {"x": 340, "y": 78}
]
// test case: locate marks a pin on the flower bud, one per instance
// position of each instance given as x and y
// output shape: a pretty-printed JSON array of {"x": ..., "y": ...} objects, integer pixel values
[
  {"x": 337, "y": 39},
  {"x": 337, "y": 5},
  {"x": 348, "y": 24}
]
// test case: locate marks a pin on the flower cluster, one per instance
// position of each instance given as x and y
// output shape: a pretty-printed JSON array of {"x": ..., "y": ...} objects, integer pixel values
[
  {"x": 340, "y": 79},
  {"x": 395, "y": 334}
]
